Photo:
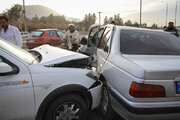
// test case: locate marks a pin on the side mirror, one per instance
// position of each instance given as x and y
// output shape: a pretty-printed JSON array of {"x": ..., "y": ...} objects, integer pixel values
[{"x": 6, "y": 69}]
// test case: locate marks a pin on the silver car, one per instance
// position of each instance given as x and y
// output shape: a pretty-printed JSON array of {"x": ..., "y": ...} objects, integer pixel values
[{"x": 140, "y": 71}]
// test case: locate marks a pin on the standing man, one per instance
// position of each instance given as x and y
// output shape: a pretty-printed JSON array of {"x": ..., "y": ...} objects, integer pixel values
[
  {"x": 172, "y": 29},
  {"x": 72, "y": 37},
  {"x": 10, "y": 33}
]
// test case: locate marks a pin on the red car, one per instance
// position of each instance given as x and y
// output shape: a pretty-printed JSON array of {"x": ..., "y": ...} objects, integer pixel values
[{"x": 44, "y": 36}]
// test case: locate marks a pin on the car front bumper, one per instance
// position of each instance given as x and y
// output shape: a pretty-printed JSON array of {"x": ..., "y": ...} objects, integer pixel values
[{"x": 96, "y": 93}]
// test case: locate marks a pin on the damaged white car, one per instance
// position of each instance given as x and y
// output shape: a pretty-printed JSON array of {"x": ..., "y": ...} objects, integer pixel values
[{"x": 47, "y": 83}]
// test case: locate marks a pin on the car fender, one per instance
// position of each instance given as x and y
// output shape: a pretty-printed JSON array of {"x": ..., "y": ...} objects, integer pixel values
[{"x": 78, "y": 89}]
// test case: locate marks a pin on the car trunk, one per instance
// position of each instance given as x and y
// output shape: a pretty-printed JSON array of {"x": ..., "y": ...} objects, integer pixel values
[
  {"x": 161, "y": 70},
  {"x": 157, "y": 66}
]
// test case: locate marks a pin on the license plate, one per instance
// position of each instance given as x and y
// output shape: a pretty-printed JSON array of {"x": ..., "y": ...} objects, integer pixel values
[{"x": 178, "y": 87}]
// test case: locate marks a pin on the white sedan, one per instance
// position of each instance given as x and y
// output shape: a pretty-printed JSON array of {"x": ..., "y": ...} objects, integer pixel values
[{"x": 47, "y": 84}]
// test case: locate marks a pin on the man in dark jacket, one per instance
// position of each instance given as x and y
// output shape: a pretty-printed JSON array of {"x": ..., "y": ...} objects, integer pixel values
[{"x": 172, "y": 29}]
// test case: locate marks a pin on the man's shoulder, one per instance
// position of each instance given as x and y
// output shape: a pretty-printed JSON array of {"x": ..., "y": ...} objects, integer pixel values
[{"x": 14, "y": 27}]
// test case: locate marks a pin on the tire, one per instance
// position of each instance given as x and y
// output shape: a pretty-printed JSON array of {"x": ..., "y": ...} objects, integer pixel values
[
  {"x": 105, "y": 107},
  {"x": 67, "y": 107}
]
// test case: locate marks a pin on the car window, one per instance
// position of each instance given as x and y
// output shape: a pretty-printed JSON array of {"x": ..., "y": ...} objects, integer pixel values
[
  {"x": 0, "y": 59},
  {"x": 52, "y": 34},
  {"x": 60, "y": 34},
  {"x": 37, "y": 34},
  {"x": 149, "y": 43},
  {"x": 94, "y": 31},
  {"x": 104, "y": 40}
]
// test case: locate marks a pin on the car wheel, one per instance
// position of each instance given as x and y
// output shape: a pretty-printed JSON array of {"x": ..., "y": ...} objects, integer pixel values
[
  {"x": 67, "y": 107},
  {"x": 106, "y": 109}
]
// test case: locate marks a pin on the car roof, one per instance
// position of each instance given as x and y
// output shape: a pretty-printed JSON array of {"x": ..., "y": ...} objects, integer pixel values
[
  {"x": 46, "y": 29},
  {"x": 133, "y": 28}
]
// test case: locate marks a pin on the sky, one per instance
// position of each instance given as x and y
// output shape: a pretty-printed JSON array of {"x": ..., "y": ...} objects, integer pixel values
[{"x": 153, "y": 11}]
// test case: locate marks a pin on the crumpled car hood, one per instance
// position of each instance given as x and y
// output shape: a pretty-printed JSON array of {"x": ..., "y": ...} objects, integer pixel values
[{"x": 53, "y": 55}]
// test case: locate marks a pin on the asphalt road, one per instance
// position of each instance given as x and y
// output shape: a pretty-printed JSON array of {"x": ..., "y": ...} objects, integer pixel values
[{"x": 94, "y": 115}]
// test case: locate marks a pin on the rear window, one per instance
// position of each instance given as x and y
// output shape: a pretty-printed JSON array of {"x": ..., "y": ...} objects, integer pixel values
[
  {"x": 37, "y": 34},
  {"x": 145, "y": 42}
]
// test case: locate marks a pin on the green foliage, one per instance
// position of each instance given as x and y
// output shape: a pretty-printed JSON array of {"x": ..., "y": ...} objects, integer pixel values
[
  {"x": 89, "y": 20},
  {"x": 144, "y": 25},
  {"x": 50, "y": 21},
  {"x": 128, "y": 23},
  {"x": 117, "y": 18},
  {"x": 14, "y": 13},
  {"x": 154, "y": 26},
  {"x": 106, "y": 21},
  {"x": 136, "y": 24}
]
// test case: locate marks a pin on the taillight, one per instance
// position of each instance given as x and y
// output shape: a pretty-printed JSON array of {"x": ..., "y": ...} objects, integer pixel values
[{"x": 140, "y": 90}]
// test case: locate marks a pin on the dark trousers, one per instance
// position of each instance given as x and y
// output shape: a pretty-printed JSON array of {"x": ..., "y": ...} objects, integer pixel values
[{"x": 75, "y": 47}]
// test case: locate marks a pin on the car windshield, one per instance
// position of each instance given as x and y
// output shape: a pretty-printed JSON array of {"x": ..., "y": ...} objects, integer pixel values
[
  {"x": 149, "y": 43},
  {"x": 60, "y": 34},
  {"x": 19, "y": 52},
  {"x": 37, "y": 34}
]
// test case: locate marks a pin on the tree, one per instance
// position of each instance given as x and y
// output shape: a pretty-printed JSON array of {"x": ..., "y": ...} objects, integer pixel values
[
  {"x": 35, "y": 19},
  {"x": 106, "y": 20},
  {"x": 144, "y": 25},
  {"x": 128, "y": 23},
  {"x": 14, "y": 13},
  {"x": 154, "y": 26},
  {"x": 136, "y": 24},
  {"x": 111, "y": 19},
  {"x": 118, "y": 19},
  {"x": 89, "y": 20},
  {"x": 43, "y": 19}
]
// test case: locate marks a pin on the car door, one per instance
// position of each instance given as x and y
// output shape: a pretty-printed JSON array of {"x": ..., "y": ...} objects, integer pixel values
[
  {"x": 103, "y": 48},
  {"x": 54, "y": 40},
  {"x": 16, "y": 90}
]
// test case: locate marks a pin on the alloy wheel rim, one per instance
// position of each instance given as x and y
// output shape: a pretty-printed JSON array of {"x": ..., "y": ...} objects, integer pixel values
[{"x": 67, "y": 111}]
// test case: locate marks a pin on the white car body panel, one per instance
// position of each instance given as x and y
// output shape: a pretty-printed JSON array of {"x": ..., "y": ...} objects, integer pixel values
[
  {"x": 44, "y": 85},
  {"x": 23, "y": 93},
  {"x": 16, "y": 95}
]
